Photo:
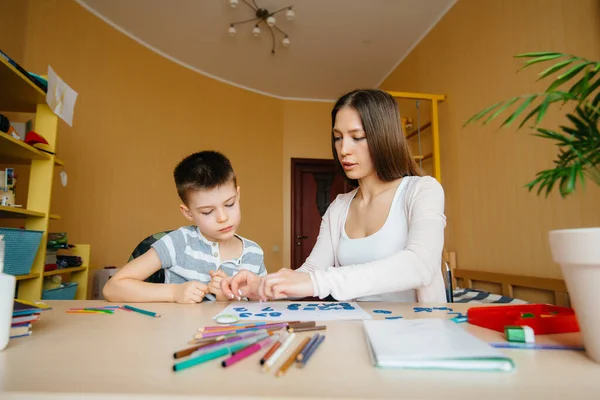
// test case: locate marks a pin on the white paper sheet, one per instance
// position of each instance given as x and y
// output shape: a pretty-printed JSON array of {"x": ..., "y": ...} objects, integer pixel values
[
  {"x": 295, "y": 311},
  {"x": 60, "y": 97}
]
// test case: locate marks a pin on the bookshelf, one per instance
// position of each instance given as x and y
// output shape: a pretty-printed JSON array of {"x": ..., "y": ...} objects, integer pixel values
[{"x": 21, "y": 95}]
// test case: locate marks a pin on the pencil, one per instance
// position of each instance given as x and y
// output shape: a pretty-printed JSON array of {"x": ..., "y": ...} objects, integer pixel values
[
  {"x": 306, "y": 349},
  {"x": 231, "y": 326},
  {"x": 284, "y": 367},
  {"x": 226, "y": 332},
  {"x": 314, "y": 328},
  {"x": 312, "y": 350},
  {"x": 145, "y": 312}
]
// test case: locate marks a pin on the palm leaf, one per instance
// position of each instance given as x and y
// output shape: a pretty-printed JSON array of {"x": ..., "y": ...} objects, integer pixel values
[
  {"x": 567, "y": 75},
  {"x": 536, "y": 60},
  {"x": 554, "y": 68},
  {"x": 519, "y": 110},
  {"x": 480, "y": 114}
]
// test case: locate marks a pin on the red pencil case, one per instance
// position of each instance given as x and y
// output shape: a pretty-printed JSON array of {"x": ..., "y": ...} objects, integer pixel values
[{"x": 542, "y": 318}]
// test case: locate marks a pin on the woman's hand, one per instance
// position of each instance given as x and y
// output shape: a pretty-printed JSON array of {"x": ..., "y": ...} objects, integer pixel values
[
  {"x": 242, "y": 284},
  {"x": 285, "y": 283}
]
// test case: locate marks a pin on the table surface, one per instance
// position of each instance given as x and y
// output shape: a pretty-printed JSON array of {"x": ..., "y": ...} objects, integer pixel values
[{"x": 128, "y": 355}]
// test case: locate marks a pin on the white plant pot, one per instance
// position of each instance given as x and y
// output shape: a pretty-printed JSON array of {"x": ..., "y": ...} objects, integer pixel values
[{"x": 578, "y": 253}]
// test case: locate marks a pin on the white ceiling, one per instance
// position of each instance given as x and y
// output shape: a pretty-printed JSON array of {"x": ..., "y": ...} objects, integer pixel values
[{"x": 336, "y": 45}]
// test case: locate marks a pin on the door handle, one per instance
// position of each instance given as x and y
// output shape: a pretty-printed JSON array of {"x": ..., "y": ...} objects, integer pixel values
[{"x": 298, "y": 237}]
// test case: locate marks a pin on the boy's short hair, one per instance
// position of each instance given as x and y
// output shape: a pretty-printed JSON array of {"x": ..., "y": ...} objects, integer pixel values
[{"x": 202, "y": 170}]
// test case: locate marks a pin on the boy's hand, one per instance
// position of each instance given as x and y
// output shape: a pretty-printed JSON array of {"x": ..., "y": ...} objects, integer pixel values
[
  {"x": 214, "y": 286},
  {"x": 243, "y": 284},
  {"x": 189, "y": 292}
]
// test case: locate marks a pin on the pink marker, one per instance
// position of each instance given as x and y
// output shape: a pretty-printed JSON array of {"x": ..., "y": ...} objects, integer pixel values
[{"x": 248, "y": 351}]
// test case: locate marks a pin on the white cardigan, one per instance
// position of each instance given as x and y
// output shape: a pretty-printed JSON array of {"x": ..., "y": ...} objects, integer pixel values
[{"x": 418, "y": 266}]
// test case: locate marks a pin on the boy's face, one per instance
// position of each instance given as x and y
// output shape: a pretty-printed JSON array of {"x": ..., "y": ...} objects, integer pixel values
[{"x": 215, "y": 211}]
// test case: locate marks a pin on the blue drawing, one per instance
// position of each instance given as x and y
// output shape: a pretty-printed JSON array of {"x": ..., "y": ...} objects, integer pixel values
[
  {"x": 240, "y": 309},
  {"x": 382, "y": 311},
  {"x": 421, "y": 309},
  {"x": 275, "y": 314},
  {"x": 394, "y": 317},
  {"x": 294, "y": 307},
  {"x": 458, "y": 314},
  {"x": 442, "y": 308},
  {"x": 245, "y": 314},
  {"x": 267, "y": 309}
]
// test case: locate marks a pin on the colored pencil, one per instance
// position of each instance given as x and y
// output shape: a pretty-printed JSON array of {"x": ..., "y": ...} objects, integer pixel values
[
  {"x": 247, "y": 351},
  {"x": 536, "y": 346},
  {"x": 139, "y": 310},
  {"x": 254, "y": 328},
  {"x": 306, "y": 349},
  {"x": 312, "y": 350},
  {"x": 273, "y": 359},
  {"x": 290, "y": 360},
  {"x": 229, "y": 326},
  {"x": 314, "y": 328},
  {"x": 88, "y": 312}
]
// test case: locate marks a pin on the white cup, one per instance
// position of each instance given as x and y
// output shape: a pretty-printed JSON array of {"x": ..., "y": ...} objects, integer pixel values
[{"x": 7, "y": 292}]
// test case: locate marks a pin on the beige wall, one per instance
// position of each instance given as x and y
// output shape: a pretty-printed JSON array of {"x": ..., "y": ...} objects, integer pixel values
[
  {"x": 494, "y": 224},
  {"x": 136, "y": 116},
  {"x": 14, "y": 22},
  {"x": 306, "y": 134}
]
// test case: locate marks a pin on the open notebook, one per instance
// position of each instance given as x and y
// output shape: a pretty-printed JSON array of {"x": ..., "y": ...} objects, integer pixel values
[{"x": 430, "y": 343}]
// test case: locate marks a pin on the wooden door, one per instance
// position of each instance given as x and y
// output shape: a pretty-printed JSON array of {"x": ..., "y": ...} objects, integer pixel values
[{"x": 315, "y": 184}]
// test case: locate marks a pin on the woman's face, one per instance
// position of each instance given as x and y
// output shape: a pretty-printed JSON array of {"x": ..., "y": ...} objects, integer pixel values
[{"x": 351, "y": 144}]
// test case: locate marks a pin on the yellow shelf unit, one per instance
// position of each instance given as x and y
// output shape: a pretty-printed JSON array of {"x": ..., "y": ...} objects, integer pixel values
[
  {"x": 20, "y": 95},
  {"x": 76, "y": 274},
  {"x": 433, "y": 125}
]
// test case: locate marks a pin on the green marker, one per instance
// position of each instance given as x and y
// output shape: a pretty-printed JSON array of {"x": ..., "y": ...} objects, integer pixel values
[{"x": 223, "y": 351}]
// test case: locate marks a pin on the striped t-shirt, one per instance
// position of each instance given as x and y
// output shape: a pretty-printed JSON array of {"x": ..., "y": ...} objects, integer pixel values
[{"x": 186, "y": 255}]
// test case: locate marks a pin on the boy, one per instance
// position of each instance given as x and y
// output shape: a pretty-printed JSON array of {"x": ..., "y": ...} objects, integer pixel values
[{"x": 196, "y": 257}]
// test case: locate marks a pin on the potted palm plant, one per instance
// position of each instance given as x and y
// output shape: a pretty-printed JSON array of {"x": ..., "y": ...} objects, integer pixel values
[{"x": 574, "y": 84}]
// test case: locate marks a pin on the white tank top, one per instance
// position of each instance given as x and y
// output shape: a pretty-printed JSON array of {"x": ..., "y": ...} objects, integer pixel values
[{"x": 388, "y": 240}]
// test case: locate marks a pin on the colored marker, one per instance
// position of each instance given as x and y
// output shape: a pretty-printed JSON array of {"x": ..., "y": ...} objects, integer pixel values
[
  {"x": 145, "y": 312},
  {"x": 536, "y": 346},
  {"x": 208, "y": 356},
  {"x": 248, "y": 351}
]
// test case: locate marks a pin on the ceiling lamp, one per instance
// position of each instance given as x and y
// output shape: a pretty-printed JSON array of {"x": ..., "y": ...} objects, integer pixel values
[{"x": 263, "y": 16}]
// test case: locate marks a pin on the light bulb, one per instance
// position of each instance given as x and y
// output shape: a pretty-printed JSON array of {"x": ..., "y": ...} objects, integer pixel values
[
  {"x": 290, "y": 14},
  {"x": 285, "y": 41},
  {"x": 233, "y": 3},
  {"x": 256, "y": 30},
  {"x": 271, "y": 21},
  {"x": 231, "y": 30}
]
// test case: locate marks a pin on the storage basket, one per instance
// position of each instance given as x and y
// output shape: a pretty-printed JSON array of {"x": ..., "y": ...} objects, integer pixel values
[
  {"x": 20, "y": 249},
  {"x": 66, "y": 291}
]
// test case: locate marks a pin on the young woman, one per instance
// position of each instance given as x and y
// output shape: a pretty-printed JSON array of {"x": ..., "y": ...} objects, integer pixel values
[{"x": 381, "y": 242}]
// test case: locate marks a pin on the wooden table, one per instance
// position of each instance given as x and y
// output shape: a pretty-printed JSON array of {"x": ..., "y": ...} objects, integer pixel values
[{"x": 129, "y": 355}]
